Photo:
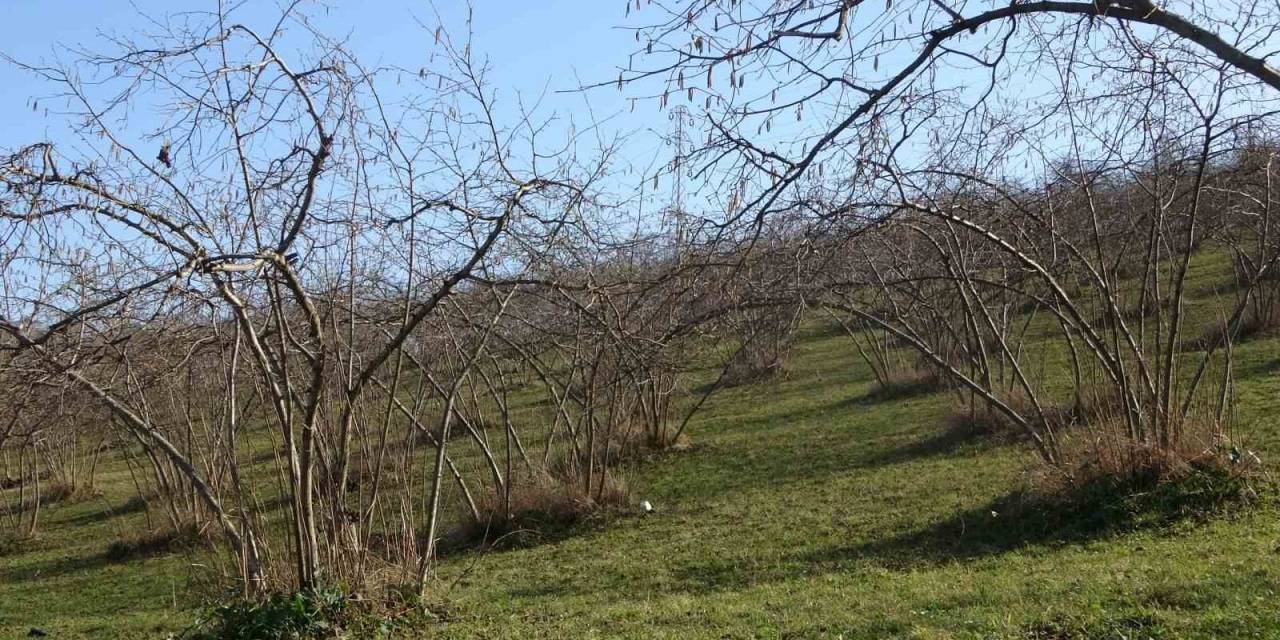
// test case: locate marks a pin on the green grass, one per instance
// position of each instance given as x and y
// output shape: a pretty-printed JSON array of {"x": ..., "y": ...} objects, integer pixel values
[
  {"x": 807, "y": 512},
  {"x": 807, "y": 509}
]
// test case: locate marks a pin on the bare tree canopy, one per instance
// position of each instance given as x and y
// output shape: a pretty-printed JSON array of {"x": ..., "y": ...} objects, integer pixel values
[{"x": 350, "y": 318}]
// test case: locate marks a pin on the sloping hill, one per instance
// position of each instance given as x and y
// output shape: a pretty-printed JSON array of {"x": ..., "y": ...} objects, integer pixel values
[{"x": 806, "y": 509}]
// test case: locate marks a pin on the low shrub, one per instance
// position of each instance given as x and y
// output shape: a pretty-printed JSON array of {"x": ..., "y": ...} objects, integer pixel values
[
  {"x": 1104, "y": 452},
  {"x": 1105, "y": 481},
  {"x": 306, "y": 614}
]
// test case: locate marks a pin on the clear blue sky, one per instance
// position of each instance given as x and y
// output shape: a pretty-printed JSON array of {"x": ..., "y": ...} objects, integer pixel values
[{"x": 532, "y": 46}]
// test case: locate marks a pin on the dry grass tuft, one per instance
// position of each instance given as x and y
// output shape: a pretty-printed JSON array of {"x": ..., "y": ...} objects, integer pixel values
[
  {"x": 1252, "y": 326},
  {"x": 542, "y": 506},
  {"x": 1259, "y": 320},
  {"x": 980, "y": 420},
  {"x": 1104, "y": 450},
  {"x": 56, "y": 492},
  {"x": 744, "y": 371},
  {"x": 1134, "y": 312},
  {"x": 1096, "y": 404},
  {"x": 906, "y": 382},
  {"x": 157, "y": 542},
  {"x": 1105, "y": 480}
]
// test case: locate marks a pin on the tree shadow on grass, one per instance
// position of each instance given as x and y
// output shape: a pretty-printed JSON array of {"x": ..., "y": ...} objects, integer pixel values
[
  {"x": 960, "y": 432},
  {"x": 137, "y": 547},
  {"x": 1092, "y": 510},
  {"x": 542, "y": 590},
  {"x": 470, "y": 540},
  {"x": 52, "y": 494},
  {"x": 732, "y": 574},
  {"x": 941, "y": 443},
  {"x": 136, "y": 504},
  {"x": 901, "y": 385},
  {"x": 1262, "y": 368}
]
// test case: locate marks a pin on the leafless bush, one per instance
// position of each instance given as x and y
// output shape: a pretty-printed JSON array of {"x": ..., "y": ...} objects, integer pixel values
[
  {"x": 287, "y": 259},
  {"x": 954, "y": 216},
  {"x": 369, "y": 283}
]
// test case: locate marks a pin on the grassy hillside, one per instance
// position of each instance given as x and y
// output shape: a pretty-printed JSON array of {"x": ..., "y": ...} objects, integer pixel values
[{"x": 805, "y": 510}]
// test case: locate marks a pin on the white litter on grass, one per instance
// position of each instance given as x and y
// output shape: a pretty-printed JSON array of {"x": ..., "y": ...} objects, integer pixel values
[{"x": 646, "y": 507}]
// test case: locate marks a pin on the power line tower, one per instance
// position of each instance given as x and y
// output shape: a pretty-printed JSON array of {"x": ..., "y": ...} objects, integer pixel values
[{"x": 680, "y": 118}]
